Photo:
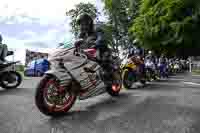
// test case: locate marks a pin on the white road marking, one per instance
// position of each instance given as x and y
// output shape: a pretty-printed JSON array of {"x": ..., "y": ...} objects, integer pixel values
[
  {"x": 196, "y": 75},
  {"x": 191, "y": 83}
]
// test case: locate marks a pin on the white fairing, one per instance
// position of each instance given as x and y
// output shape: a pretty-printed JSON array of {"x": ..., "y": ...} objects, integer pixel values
[
  {"x": 60, "y": 74},
  {"x": 73, "y": 63}
]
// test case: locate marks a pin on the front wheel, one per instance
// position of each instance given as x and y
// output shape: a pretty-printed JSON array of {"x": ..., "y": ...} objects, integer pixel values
[
  {"x": 51, "y": 99},
  {"x": 114, "y": 88},
  {"x": 10, "y": 80},
  {"x": 128, "y": 78},
  {"x": 148, "y": 75}
]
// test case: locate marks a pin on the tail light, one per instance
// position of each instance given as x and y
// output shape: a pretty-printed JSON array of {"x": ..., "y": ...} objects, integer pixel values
[{"x": 90, "y": 52}]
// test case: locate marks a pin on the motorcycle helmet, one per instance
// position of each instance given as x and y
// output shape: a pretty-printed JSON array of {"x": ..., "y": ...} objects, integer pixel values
[
  {"x": 84, "y": 17},
  {"x": 136, "y": 51}
]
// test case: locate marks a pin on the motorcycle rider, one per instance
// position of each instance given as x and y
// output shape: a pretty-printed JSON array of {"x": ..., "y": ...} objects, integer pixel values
[
  {"x": 150, "y": 56},
  {"x": 140, "y": 56},
  {"x": 163, "y": 62},
  {"x": 91, "y": 37},
  {"x": 152, "y": 59},
  {"x": 3, "y": 51}
]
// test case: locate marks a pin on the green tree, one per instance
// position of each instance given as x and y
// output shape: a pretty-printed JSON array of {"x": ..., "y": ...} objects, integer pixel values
[
  {"x": 121, "y": 13},
  {"x": 167, "y": 25},
  {"x": 79, "y": 8}
]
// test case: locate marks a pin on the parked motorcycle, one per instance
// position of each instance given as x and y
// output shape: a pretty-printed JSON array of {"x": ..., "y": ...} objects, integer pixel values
[
  {"x": 69, "y": 78},
  {"x": 9, "y": 77}
]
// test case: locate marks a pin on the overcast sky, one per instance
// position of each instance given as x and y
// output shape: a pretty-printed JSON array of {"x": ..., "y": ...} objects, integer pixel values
[{"x": 36, "y": 23}]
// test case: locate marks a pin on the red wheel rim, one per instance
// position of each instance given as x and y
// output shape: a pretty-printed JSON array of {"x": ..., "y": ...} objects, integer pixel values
[{"x": 54, "y": 106}]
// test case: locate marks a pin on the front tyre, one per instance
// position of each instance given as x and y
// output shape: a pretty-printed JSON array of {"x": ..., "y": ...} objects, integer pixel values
[
  {"x": 128, "y": 78},
  {"x": 51, "y": 99},
  {"x": 10, "y": 80},
  {"x": 148, "y": 75},
  {"x": 114, "y": 88}
]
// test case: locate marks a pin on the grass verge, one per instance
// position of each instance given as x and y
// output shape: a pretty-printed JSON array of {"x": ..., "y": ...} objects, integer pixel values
[
  {"x": 23, "y": 76},
  {"x": 197, "y": 72}
]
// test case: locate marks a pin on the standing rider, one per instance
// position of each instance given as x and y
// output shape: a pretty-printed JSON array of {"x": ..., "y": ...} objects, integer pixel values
[
  {"x": 150, "y": 56},
  {"x": 90, "y": 37}
]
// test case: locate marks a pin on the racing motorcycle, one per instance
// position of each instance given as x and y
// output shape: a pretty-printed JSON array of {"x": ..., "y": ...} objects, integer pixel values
[
  {"x": 74, "y": 75},
  {"x": 9, "y": 77},
  {"x": 131, "y": 72}
]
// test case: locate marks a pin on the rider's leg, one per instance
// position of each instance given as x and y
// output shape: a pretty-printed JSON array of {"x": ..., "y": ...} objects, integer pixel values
[{"x": 3, "y": 51}]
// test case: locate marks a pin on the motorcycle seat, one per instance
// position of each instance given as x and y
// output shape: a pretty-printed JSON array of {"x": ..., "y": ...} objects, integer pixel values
[{"x": 10, "y": 53}]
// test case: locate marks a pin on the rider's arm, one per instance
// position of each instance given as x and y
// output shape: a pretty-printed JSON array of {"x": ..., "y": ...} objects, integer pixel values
[{"x": 100, "y": 41}]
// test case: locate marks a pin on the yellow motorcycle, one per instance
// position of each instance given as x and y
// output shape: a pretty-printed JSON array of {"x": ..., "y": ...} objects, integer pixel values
[{"x": 131, "y": 72}]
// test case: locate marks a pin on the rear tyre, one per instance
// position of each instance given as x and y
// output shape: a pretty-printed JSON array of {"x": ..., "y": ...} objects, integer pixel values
[
  {"x": 114, "y": 88},
  {"x": 148, "y": 75},
  {"x": 53, "y": 105}
]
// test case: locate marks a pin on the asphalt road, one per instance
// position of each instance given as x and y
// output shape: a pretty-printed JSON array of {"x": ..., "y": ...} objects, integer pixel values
[{"x": 168, "y": 106}]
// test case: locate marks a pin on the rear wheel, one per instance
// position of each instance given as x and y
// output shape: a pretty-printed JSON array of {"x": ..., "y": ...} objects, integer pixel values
[
  {"x": 114, "y": 88},
  {"x": 51, "y": 99},
  {"x": 148, "y": 75}
]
